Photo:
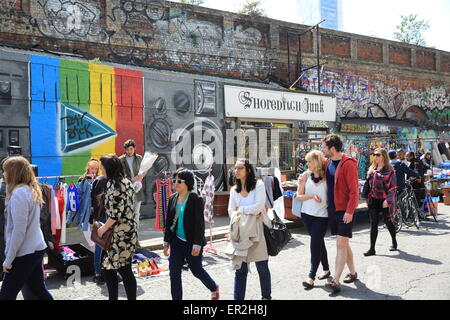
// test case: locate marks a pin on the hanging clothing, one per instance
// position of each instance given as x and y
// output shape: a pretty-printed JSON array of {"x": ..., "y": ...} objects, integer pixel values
[
  {"x": 73, "y": 202},
  {"x": 208, "y": 194},
  {"x": 63, "y": 190},
  {"x": 55, "y": 217},
  {"x": 268, "y": 184},
  {"x": 163, "y": 192},
  {"x": 84, "y": 210},
  {"x": 45, "y": 215}
]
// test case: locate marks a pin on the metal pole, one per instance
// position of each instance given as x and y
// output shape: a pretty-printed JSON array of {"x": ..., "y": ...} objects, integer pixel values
[
  {"x": 299, "y": 54},
  {"x": 318, "y": 59},
  {"x": 289, "y": 57}
]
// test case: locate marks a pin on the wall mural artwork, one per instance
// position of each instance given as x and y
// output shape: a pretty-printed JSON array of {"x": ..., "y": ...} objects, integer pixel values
[
  {"x": 361, "y": 96},
  {"x": 81, "y": 110},
  {"x": 136, "y": 32}
]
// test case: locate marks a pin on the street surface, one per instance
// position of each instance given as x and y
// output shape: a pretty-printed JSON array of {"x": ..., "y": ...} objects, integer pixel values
[{"x": 419, "y": 270}]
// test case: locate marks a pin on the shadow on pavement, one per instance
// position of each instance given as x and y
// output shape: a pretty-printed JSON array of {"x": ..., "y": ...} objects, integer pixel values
[
  {"x": 362, "y": 292},
  {"x": 411, "y": 258}
]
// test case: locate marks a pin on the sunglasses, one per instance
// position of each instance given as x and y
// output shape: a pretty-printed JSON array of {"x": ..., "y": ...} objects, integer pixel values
[
  {"x": 179, "y": 181},
  {"x": 377, "y": 154},
  {"x": 239, "y": 168}
]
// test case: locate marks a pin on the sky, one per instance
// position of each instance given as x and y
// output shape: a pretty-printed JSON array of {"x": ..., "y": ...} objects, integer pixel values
[{"x": 377, "y": 18}]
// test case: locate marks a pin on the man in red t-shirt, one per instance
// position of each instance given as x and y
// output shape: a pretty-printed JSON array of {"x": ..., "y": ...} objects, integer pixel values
[{"x": 343, "y": 197}]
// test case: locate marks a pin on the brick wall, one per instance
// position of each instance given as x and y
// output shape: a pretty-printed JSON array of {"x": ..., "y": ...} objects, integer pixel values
[
  {"x": 371, "y": 51},
  {"x": 180, "y": 37}
]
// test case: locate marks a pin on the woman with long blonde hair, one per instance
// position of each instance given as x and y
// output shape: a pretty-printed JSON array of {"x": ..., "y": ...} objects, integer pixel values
[
  {"x": 382, "y": 197},
  {"x": 25, "y": 245},
  {"x": 312, "y": 190}
]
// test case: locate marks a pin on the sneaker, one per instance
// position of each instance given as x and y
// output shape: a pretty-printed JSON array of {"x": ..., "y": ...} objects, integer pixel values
[
  {"x": 98, "y": 280},
  {"x": 215, "y": 294}
]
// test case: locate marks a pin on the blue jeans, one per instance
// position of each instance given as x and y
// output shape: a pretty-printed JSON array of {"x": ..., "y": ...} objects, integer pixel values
[
  {"x": 317, "y": 228},
  {"x": 240, "y": 280},
  {"x": 26, "y": 270},
  {"x": 98, "y": 256},
  {"x": 179, "y": 251}
]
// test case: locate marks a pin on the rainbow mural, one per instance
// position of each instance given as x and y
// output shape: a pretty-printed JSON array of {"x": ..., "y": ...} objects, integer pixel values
[{"x": 81, "y": 110}]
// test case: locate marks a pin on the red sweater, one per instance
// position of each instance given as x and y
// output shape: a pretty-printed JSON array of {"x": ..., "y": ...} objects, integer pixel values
[{"x": 346, "y": 187}]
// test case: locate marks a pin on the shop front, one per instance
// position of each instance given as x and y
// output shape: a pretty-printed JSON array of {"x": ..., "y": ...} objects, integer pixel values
[{"x": 277, "y": 125}]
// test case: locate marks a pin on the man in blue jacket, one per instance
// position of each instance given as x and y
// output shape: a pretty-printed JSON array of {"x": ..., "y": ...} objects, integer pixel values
[{"x": 401, "y": 169}]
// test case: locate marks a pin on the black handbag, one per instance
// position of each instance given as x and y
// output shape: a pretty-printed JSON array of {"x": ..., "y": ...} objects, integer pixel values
[
  {"x": 277, "y": 236},
  {"x": 366, "y": 189}
]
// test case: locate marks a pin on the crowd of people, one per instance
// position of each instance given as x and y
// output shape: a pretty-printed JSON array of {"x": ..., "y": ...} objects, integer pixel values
[{"x": 328, "y": 190}]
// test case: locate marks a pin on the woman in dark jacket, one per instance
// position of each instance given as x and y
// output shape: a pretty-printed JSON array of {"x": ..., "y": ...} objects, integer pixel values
[
  {"x": 185, "y": 235},
  {"x": 382, "y": 197}
]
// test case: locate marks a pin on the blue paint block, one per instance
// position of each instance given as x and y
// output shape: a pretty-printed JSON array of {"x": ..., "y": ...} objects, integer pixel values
[{"x": 45, "y": 96}]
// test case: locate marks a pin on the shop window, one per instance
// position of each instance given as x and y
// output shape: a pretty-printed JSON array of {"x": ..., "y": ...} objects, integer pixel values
[
  {"x": 1, "y": 139},
  {"x": 5, "y": 92},
  {"x": 286, "y": 151},
  {"x": 14, "y": 138}
]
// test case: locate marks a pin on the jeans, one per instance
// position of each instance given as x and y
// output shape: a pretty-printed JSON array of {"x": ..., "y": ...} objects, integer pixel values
[
  {"x": 137, "y": 212},
  {"x": 317, "y": 228},
  {"x": 129, "y": 282},
  {"x": 240, "y": 280},
  {"x": 26, "y": 270},
  {"x": 98, "y": 256},
  {"x": 179, "y": 251}
]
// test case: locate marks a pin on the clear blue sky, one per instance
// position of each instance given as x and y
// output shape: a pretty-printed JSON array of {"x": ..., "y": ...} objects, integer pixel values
[{"x": 376, "y": 18}]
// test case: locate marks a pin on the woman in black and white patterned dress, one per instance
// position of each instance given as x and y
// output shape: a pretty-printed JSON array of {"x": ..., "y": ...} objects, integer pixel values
[{"x": 119, "y": 209}]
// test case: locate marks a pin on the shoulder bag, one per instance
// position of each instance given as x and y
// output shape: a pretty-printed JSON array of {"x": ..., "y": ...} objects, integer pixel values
[
  {"x": 105, "y": 241},
  {"x": 277, "y": 236}
]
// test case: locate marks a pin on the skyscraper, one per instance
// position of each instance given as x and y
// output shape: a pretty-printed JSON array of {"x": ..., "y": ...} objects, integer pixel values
[{"x": 314, "y": 11}]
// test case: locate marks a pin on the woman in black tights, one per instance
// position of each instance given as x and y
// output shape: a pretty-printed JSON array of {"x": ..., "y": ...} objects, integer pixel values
[
  {"x": 382, "y": 197},
  {"x": 118, "y": 203}
]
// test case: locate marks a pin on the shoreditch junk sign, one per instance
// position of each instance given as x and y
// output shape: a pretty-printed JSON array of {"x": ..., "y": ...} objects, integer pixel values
[{"x": 244, "y": 102}]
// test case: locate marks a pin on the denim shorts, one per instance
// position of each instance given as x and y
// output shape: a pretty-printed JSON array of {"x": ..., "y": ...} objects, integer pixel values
[{"x": 337, "y": 225}]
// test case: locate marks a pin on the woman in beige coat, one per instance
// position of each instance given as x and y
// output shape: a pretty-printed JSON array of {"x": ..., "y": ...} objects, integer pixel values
[{"x": 247, "y": 213}]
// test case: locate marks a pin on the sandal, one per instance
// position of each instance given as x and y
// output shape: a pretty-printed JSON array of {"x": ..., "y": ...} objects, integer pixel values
[
  {"x": 349, "y": 278},
  {"x": 333, "y": 286},
  {"x": 325, "y": 275},
  {"x": 308, "y": 285}
]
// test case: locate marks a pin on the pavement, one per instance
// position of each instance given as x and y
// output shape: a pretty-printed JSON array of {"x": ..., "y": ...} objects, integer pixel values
[{"x": 420, "y": 269}]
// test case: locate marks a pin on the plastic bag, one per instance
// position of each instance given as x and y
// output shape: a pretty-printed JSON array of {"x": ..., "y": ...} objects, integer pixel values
[{"x": 147, "y": 162}]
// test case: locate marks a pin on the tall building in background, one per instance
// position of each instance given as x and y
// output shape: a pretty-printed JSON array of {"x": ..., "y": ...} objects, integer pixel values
[{"x": 314, "y": 11}]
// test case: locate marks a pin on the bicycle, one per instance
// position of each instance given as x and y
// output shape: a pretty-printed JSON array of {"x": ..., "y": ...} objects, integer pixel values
[
  {"x": 407, "y": 208},
  {"x": 427, "y": 206}
]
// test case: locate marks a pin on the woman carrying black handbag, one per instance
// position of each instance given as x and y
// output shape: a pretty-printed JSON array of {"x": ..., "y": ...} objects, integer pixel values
[{"x": 247, "y": 205}]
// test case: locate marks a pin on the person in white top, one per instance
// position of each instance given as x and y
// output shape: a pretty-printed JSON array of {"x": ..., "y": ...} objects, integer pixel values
[
  {"x": 312, "y": 191},
  {"x": 248, "y": 197}
]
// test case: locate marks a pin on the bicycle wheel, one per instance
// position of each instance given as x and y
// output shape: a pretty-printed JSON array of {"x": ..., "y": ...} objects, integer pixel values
[
  {"x": 414, "y": 212},
  {"x": 398, "y": 220}
]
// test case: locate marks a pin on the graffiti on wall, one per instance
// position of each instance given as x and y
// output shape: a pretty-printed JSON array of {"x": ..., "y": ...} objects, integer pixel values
[
  {"x": 137, "y": 32},
  {"x": 360, "y": 96},
  {"x": 81, "y": 110}
]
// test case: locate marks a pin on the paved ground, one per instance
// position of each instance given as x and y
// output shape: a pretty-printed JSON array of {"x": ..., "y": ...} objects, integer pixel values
[{"x": 419, "y": 270}]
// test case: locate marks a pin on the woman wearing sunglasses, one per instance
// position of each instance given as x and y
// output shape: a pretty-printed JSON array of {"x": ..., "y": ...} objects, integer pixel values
[
  {"x": 185, "y": 234},
  {"x": 382, "y": 197}
]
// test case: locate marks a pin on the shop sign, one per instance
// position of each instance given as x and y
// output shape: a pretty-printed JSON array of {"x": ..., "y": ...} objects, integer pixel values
[
  {"x": 244, "y": 102},
  {"x": 317, "y": 124},
  {"x": 370, "y": 128}
]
